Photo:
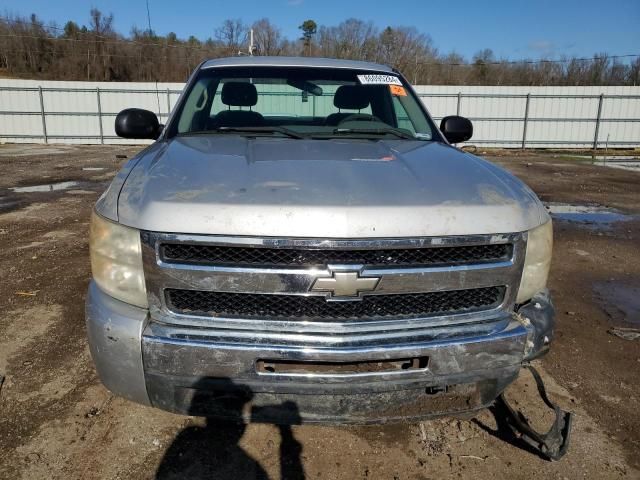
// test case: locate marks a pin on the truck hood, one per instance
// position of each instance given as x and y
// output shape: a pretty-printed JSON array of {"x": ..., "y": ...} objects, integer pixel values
[{"x": 231, "y": 185}]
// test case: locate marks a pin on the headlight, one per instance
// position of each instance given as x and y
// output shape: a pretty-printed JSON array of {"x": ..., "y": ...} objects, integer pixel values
[
  {"x": 537, "y": 262},
  {"x": 116, "y": 260}
]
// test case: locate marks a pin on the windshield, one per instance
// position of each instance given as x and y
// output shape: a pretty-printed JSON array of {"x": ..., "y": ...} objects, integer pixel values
[{"x": 301, "y": 103}]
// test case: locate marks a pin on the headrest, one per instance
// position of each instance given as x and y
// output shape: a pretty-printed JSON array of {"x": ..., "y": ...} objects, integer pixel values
[
  {"x": 351, "y": 97},
  {"x": 239, "y": 94}
]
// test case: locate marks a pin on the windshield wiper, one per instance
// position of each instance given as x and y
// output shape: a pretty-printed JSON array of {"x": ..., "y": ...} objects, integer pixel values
[
  {"x": 271, "y": 129},
  {"x": 375, "y": 131}
]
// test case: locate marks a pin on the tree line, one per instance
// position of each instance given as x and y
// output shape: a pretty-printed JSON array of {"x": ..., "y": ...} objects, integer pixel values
[{"x": 29, "y": 48}]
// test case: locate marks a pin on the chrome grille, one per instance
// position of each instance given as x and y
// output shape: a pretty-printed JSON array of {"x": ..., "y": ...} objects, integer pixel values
[
  {"x": 252, "y": 284},
  {"x": 310, "y": 308},
  {"x": 299, "y": 257}
]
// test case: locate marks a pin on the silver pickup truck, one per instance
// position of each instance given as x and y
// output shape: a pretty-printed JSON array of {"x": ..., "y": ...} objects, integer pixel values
[{"x": 301, "y": 243}]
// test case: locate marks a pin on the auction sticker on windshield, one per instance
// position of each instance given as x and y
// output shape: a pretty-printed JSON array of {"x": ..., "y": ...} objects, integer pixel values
[{"x": 377, "y": 79}]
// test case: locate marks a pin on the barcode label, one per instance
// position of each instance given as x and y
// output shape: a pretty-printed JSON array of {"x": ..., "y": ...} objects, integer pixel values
[{"x": 377, "y": 79}]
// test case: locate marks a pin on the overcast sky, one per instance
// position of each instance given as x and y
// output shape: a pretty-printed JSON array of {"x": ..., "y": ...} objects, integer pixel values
[{"x": 511, "y": 28}]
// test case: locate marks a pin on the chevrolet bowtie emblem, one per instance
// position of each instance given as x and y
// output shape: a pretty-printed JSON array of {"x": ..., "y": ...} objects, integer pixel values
[{"x": 345, "y": 284}]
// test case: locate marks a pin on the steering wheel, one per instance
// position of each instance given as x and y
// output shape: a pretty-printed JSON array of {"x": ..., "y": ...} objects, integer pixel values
[{"x": 360, "y": 117}]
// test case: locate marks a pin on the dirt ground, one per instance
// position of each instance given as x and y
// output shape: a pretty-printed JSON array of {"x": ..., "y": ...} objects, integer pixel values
[{"x": 58, "y": 421}]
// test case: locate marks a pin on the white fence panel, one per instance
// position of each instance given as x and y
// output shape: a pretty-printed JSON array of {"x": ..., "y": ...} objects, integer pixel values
[
  {"x": 503, "y": 116},
  {"x": 556, "y": 117}
]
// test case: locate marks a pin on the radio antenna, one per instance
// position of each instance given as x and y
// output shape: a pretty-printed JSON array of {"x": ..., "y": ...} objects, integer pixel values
[{"x": 149, "y": 33}]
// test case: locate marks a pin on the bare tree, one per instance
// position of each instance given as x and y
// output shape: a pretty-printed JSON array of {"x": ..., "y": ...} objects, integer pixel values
[
  {"x": 100, "y": 24},
  {"x": 352, "y": 38},
  {"x": 482, "y": 63},
  {"x": 232, "y": 33},
  {"x": 267, "y": 37},
  {"x": 633, "y": 74}
]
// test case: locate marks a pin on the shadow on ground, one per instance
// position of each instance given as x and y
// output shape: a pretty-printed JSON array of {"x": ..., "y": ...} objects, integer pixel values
[
  {"x": 503, "y": 431},
  {"x": 213, "y": 451}
]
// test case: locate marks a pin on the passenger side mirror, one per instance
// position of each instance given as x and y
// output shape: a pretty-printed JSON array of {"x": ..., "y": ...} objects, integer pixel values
[
  {"x": 456, "y": 129},
  {"x": 137, "y": 123}
]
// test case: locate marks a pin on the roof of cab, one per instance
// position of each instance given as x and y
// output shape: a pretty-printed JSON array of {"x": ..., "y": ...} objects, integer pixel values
[{"x": 248, "y": 61}]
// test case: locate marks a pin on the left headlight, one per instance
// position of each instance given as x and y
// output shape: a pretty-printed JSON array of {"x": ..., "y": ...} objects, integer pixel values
[
  {"x": 116, "y": 260},
  {"x": 537, "y": 262}
]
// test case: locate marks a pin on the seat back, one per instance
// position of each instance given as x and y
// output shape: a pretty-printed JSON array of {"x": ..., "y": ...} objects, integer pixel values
[
  {"x": 349, "y": 97},
  {"x": 238, "y": 94}
]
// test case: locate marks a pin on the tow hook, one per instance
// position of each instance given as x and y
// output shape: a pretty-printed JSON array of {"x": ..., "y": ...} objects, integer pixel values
[{"x": 553, "y": 444}]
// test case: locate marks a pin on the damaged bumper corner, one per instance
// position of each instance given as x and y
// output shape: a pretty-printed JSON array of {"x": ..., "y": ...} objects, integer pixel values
[
  {"x": 539, "y": 318},
  {"x": 114, "y": 329}
]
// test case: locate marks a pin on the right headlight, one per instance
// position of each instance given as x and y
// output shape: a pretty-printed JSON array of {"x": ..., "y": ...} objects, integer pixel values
[
  {"x": 116, "y": 260},
  {"x": 537, "y": 262}
]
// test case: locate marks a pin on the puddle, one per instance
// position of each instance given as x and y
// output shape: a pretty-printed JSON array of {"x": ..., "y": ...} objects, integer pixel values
[
  {"x": 25, "y": 150},
  {"x": 14, "y": 198},
  {"x": 589, "y": 215},
  {"x": 604, "y": 157},
  {"x": 622, "y": 162},
  {"x": 46, "y": 187},
  {"x": 620, "y": 301},
  {"x": 93, "y": 169},
  {"x": 8, "y": 203}
]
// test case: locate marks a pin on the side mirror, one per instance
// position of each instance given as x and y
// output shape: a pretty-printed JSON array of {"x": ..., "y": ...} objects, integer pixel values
[
  {"x": 456, "y": 129},
  {"x": 137, "y": 123}
]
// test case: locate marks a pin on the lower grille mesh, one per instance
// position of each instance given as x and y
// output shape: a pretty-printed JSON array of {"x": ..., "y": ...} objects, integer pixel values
[{"x": 294, "y": 307}]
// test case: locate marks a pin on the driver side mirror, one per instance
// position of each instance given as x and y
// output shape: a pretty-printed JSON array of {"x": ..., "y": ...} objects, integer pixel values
[
  {"x": 456, "y": 129},
  {"x": 137, "y": 123}
]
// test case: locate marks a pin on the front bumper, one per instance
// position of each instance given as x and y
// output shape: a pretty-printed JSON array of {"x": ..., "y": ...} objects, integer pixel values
[{"x": 192, "y": 372}]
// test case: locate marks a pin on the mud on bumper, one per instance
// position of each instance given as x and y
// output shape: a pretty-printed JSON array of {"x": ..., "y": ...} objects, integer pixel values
[{"x": 154, "y": 364}]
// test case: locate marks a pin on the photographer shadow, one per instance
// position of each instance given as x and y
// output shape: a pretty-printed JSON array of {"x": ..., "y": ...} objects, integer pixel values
[{"x": 213, "y": 451}]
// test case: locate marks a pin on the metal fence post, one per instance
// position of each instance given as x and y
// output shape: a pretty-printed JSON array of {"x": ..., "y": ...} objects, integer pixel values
[
  {"x": 168, "y": 103},
  {"x": 595, "y": 137},
  {"x": 43, "y": 115},
  {"x": 526, "y": 120},
  {"x": 458, "y": 104},
  {"x": 100, "y": 116}
]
